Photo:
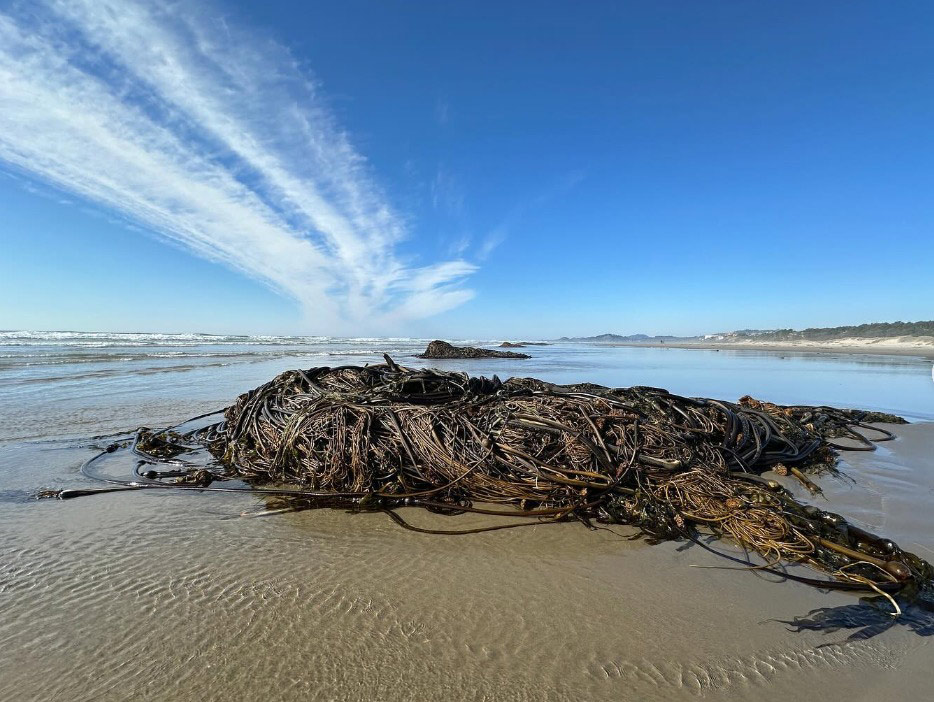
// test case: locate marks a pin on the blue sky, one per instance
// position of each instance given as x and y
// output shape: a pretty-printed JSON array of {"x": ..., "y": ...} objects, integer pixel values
[{"x": 465, "y": 169}]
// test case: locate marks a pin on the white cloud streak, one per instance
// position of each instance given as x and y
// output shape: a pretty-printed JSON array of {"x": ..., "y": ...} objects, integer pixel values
[{"x": 214, "y": 139}]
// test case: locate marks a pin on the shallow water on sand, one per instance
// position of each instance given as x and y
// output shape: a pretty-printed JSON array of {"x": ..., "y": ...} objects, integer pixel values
[
  {"x": 177, "y": 596},
  {"x": 53, "y": 384}
]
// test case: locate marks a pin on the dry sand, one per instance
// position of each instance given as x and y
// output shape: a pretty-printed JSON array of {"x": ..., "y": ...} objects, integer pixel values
[
  {"x": 168, "y": 596},
  {"x": 922, "y": 346}
]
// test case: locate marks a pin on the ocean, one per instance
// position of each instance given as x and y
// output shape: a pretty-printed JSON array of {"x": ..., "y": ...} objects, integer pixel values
[{"x": 77, "y": 384}]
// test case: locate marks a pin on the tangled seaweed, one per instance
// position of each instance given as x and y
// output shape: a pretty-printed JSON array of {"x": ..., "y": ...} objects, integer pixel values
[{"x": 383, "y": 436}]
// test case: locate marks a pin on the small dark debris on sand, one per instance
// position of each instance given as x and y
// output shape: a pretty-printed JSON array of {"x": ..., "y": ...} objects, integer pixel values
[{"x": 442, "y": 349}]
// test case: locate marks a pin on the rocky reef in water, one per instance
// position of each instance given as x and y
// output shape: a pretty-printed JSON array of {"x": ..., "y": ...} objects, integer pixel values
[{"x": 442, "y": 349}]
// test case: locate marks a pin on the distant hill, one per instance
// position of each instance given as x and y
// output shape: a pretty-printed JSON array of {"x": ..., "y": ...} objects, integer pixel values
[{"x": 874, "y": 330}]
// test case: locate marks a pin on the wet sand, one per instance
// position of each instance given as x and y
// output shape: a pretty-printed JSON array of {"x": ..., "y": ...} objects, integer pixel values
[{"x": 165, "y": 596}]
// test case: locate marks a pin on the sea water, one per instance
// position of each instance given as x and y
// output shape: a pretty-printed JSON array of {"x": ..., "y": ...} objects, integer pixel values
[{"x": 67, "y": 384}]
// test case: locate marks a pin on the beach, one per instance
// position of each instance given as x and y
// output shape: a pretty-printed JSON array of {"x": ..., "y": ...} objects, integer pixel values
[
  {"x": 190, "y": 596},
  {"x": 919, "y": 346},
  {"x": 258, "y": 440}
]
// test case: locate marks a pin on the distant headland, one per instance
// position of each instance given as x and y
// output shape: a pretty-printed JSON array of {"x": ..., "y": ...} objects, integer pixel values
[{"x": 896, "y": 338}]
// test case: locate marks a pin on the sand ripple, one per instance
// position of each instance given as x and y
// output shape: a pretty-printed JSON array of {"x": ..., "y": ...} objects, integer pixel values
[{"x": 174, "y": 596}]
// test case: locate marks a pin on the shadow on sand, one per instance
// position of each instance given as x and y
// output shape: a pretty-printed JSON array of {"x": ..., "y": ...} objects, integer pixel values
[{"x": 866, "y": 619}]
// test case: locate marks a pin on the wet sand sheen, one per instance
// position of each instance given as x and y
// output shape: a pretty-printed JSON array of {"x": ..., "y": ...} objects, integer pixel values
[{"x": 175, "y": 596}]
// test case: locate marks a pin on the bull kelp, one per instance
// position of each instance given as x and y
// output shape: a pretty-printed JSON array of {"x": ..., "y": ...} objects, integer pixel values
[{"x": 376, "y": 438}]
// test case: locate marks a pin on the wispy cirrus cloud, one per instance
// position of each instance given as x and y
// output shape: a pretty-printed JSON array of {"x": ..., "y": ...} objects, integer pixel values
[
  {"x": 216, "y": 140},
  {"x": 500, "y": 232}
]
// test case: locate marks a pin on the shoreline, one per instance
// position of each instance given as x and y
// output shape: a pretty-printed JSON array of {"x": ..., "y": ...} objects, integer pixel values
[{"x": 867, "y": 348}]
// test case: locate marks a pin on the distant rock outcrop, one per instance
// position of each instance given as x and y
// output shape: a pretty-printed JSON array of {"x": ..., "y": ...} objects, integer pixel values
[
  {"x": 442, "y": 349},
  {"x": 511, "y": 345}
]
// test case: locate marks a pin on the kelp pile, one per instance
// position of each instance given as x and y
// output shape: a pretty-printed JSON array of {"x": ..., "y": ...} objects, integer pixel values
[{"x": 383, "y": 436}]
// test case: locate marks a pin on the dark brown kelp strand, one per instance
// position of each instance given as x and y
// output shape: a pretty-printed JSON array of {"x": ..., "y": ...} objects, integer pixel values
[{"x": 379, "y": 437}]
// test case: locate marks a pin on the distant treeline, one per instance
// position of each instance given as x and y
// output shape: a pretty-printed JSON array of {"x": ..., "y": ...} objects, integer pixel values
[{"x": 875, "y": 330}]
